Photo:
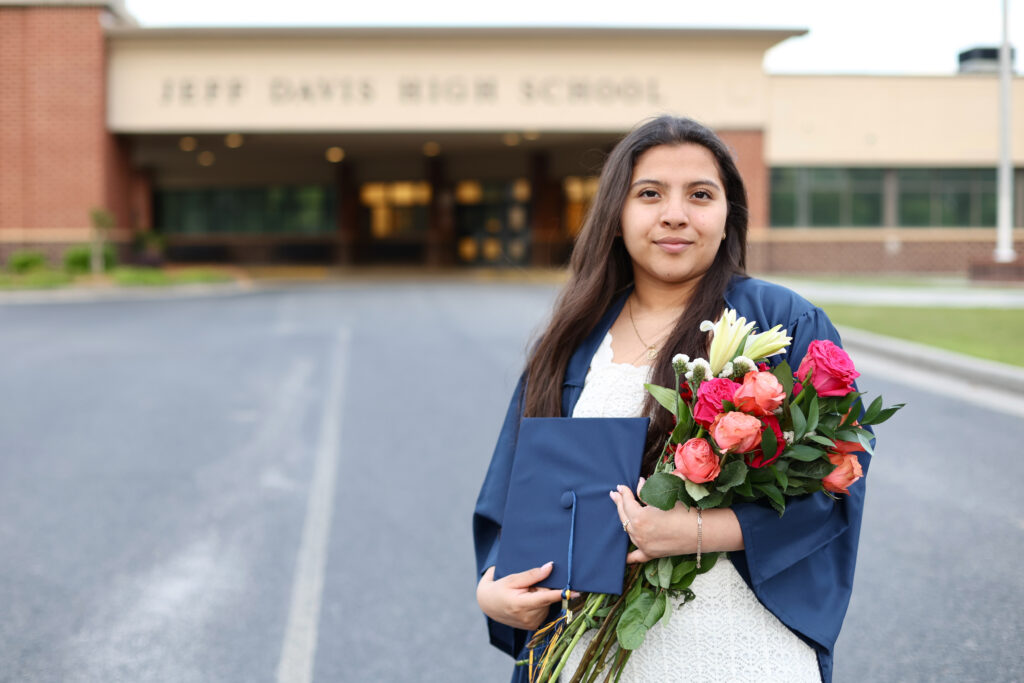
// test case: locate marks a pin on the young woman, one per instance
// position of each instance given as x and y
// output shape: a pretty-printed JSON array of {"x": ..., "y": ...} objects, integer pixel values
[{"x": 663, "y": 248}]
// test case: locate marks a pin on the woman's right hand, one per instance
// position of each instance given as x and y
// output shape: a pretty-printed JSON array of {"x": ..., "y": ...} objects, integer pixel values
[{"x": 514, "y": 600}]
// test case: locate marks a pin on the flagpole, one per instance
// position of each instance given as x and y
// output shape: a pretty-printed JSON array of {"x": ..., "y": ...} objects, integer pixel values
[{"x": 1004, "y": 252}]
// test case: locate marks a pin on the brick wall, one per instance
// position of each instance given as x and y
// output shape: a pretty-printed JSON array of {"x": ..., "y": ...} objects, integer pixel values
[
  {"x": 748, "y": 150},
  {"x": 57, "y": 160},
  {"x": 872, "y": 250}
]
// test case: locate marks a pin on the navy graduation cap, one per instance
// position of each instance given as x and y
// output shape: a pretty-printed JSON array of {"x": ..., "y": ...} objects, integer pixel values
[{"x": 558, "y": 507}]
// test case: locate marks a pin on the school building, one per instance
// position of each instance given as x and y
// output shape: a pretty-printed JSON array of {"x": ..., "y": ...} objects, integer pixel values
[{"x": 468, "y": 146}]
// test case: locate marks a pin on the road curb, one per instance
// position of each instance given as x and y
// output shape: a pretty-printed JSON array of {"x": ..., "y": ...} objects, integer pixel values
[
  {"x": 95, "y": 294},
  {"x": 940, "y": 361}
]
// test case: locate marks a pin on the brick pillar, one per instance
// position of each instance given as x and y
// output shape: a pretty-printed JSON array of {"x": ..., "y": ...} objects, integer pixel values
[
  {"x": 441, "y": 227},
  {"x": 347, "y": 213},
  {"x": 57, "y": 160},
  {"x": 546, "y": 230},
  {"x": 748, "y": 150}
]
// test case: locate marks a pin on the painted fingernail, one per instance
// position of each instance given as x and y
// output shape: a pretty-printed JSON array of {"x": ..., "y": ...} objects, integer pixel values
[{"x": 547, "y": 564}]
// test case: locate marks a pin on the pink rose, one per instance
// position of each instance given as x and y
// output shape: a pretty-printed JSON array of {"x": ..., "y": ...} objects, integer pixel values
[
  {"x": 710, "y": 395},
  {"x": 756, "y": 457},
  {"x": 760, "y": 394},
  {"x": 847, "y": 471},
  {"x": 696, "y": 461},
  {"x": 736, "y": 432},
  {"x": 832, "y": 371}
]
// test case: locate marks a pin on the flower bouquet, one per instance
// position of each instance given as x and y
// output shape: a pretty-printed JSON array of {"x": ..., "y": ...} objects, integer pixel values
[{"x": 743, "y": 433}]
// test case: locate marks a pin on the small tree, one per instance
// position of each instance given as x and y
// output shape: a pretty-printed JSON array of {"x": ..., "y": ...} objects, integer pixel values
[{"x": 102, "y": 222}]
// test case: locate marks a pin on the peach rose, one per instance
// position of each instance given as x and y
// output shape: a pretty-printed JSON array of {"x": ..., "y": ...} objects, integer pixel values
[
  {"x": 760, "y": 394},
  {"x": 696, "y": 461},
  {"x": 847, "y": 471},
  {"x": 736, "y": 432}
]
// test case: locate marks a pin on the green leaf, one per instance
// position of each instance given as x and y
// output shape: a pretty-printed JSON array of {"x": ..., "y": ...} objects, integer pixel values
[
  {"x": 843, "y": 406},
  {"x": 684, "y": 426},
  {"x": 784, "y": 374},
  {"x": 827, "y": 425},
  {"x": 872, "y": 411},
  {"x": 885, "y": 414},
  {"x": 651, "y": 572},
  {"x": 812, "y": 470},
  {"x": 744, "y": 489},
  {"x": 684, "y": 497},
  {"x": 773, "y": 493},
  {"x": 631, "y": 629},
  {"x": 665, "y": 396},
  {"x": 707, "y": 562},
  {"x": 732, "y": 474},
  {"x": 696, "y": 491},
  {"x": 823, "y": 440},
  {"x": 661, "y": 490},
  {"x": 712, "y": 500},
  {"x": 802, "y": 453},
  {"x": 812, "y": 415},
  {"x": 657, "y": 610},
  {"x": 781, "y": 477},
  {"x": 851, "y": 417},
  {"x": 799, "y": 422},
  {"x": 682, "y": 569},
  {"x": 768, "y": 443},
  {"x": 665, "y": 572}
]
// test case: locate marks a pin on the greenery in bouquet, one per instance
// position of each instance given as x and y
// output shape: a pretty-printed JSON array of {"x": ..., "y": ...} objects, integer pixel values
[{"x": 744, "y": 432}]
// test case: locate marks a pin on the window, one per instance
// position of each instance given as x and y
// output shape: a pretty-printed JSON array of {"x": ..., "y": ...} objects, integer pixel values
[
  {"x": 826, "y": 197},
  {"x": 254, "y": 210}
]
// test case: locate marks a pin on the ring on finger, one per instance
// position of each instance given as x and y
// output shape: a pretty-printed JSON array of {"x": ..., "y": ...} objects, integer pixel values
[{"x": 625, "y": 526}]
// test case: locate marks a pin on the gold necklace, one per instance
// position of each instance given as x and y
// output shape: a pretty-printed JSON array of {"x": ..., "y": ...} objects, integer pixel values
[{"x": 652, "y": 350}]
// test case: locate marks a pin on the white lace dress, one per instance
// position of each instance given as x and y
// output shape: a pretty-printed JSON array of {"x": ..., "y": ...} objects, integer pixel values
[{"x": 725, "y": 635}]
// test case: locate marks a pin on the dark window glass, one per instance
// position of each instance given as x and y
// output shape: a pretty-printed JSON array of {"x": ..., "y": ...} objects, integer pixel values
[
  {"x": 915, "y": 209},
  {"x": 866, "y": 209},
  {"x": 825, "y": 209}
]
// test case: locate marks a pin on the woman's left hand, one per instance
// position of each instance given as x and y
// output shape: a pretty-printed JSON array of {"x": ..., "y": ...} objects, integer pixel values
[{"x": 654, "y": 532}]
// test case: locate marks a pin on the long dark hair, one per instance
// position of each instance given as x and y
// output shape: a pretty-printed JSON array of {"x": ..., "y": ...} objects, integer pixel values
[{"x": 601, "y": 269}]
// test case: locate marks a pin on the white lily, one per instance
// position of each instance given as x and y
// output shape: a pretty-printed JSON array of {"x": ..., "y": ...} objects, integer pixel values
[
  {"x": 766, "y": 344},
  {"x": 727, "y": 337}
]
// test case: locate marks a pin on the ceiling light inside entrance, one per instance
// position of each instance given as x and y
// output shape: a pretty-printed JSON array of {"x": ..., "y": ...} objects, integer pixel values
[
  {"x": 187, "y": 144},
  {"x": 233, "y": 140},
  {"x": 334, "y": 154},
  {"x": 431, "y": 149},
  {"x": 510, "y": 139},
  {"x": 206, "y": 158}
]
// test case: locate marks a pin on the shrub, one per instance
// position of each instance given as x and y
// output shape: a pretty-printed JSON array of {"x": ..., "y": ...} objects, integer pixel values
[
  {"x": 77, "y": 259},
  {"x": 25, "y": 260}
]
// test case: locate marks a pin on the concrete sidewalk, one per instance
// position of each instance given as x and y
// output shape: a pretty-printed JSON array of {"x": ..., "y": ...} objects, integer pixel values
[{"x": 954, "y": 295}]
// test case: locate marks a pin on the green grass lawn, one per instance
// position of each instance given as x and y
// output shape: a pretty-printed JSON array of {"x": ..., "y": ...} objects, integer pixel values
[
  {"x": 122, "y": 276},
  {"x": 994, "y": 334}
]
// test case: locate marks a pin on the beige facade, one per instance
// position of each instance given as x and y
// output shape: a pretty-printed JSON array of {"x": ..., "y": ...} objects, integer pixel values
[
  {"x": 559, "y": 80},
  {"x": 904, "y": 121}
]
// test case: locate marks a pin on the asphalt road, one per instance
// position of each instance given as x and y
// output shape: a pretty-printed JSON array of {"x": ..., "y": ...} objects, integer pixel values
[{"x": 277, "y": 486}]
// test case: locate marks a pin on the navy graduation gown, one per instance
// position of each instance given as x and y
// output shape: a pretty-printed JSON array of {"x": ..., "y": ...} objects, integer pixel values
[{"x": 800, "y": 566}]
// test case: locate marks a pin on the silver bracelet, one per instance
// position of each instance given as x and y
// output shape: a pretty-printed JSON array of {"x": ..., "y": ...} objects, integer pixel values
[{"x": 700, "y": 535}]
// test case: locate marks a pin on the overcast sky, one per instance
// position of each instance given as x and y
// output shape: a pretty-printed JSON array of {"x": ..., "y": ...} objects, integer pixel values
[{"x": 868, "y": 36}]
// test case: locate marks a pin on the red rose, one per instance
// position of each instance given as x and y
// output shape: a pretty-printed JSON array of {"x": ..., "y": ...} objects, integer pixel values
[
  {"x": 710, "y": 395},
  {"x": 847, "y": 471},
  {"x": 756, "y": 457},
  {"x": 760, "y": 394},
  {"x": 685, "y": 392},
  {"x": 696, "y": 461},
  {"x": 832, "y": 371}
]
